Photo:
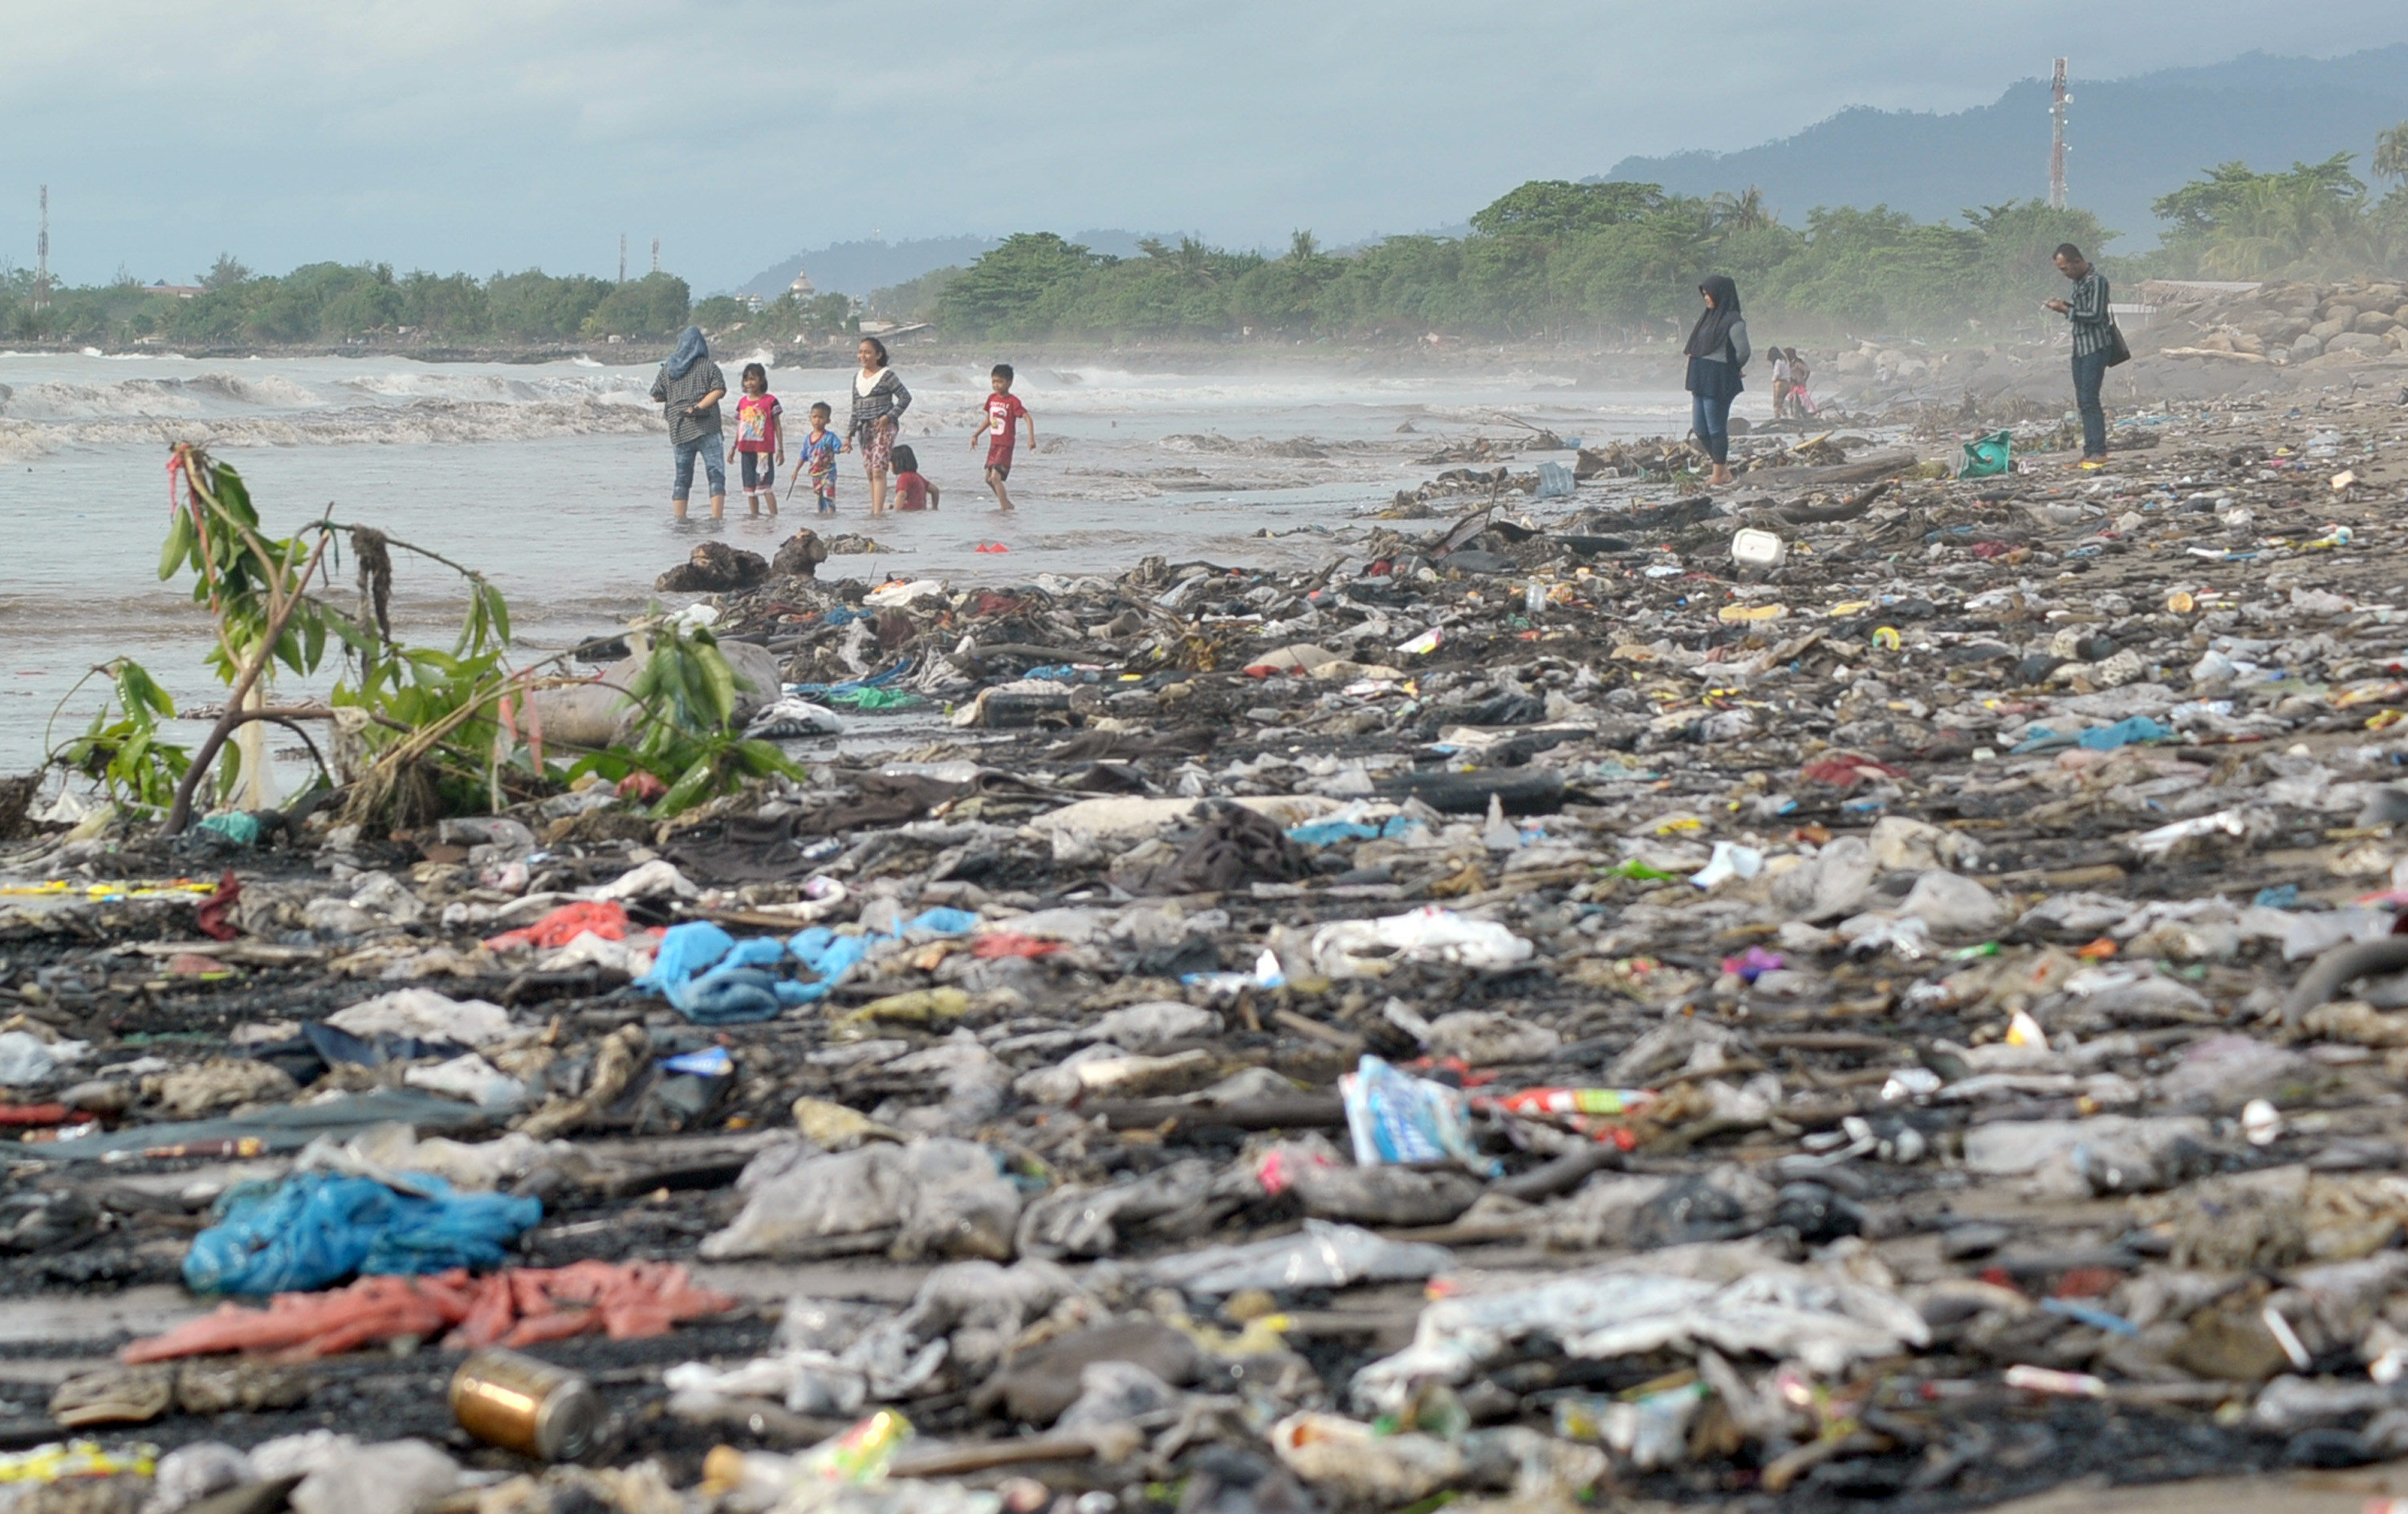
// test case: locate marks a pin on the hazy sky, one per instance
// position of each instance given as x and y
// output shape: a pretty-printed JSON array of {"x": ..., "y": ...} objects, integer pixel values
[{"x": 501, "y": 133}]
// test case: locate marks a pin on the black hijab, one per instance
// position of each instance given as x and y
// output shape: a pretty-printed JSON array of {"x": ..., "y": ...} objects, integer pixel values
[{"x": 1712, "y": 333}]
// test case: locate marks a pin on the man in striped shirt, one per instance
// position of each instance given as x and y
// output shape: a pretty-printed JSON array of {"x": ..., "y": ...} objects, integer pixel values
[{"x": 2094, "y": 335}]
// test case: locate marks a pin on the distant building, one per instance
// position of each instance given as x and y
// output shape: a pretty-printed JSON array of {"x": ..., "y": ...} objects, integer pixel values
[
  {"x": 801, "y": 288},
  {"x": 180, "y": 291}
]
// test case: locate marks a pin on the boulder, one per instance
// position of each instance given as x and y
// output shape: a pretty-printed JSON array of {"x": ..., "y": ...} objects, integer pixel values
[
  {"x": 714, "y": 567},
  {"x": 800, "y": 554}
]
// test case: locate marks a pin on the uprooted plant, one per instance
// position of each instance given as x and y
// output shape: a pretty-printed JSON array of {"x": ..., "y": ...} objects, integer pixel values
[{"x": 423, "y": 732}]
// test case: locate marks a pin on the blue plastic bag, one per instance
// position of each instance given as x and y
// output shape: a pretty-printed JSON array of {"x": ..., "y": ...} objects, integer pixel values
[
  {"x": 829, "y": 956},
  {"x": 685, "y": 951},
  {"x": 239, "y": 827},
  {"x": 314, "y": 1230},
  {"x": 1325, "y": 832},
  {"x": 712, "y": 978},
  {"x": 839, "y": 616},
  {"x": 2122, "y": 733},
  {"x": 729, "y": 995}
]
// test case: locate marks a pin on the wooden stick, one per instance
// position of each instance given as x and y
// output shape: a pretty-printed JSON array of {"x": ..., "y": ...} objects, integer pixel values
[{"x": 179, "y": 814}]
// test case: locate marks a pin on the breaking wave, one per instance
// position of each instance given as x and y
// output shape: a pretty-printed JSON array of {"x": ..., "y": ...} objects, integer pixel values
[
  {"x": 265, "y": 389},
  {"x": 421, "y": 421},
  {"x": 501, "y": 386},
  {"x": 342, "y": 403},
  {"x": 270, "y": 409}
]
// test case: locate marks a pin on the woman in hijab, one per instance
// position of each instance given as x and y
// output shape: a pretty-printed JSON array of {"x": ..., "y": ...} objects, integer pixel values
[
  {"x": 1717, "y": 351},
  {"x": 879, "y": 401},
  {"x": 689, "y": 390}
]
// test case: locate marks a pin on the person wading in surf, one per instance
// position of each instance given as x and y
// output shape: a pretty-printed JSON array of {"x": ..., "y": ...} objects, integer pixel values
[
  {"x": 879, "y": 401},
  {"x": 689, "y": 390}
]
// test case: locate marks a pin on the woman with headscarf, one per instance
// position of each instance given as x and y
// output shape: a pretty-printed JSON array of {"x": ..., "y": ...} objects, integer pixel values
[
  {"x": 1717, "y": 351},
  {"x": 879, "y": 401},
  {"x": 689, "y": 390}
]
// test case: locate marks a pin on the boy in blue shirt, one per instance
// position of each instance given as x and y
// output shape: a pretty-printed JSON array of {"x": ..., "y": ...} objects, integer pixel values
[{"x": 817, "y": 457}]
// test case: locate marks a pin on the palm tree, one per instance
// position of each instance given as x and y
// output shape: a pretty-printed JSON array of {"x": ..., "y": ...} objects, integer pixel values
[
  {"x": 1743, "y": 211},
  {"x": 1302, "y": 247},
  {"x": 2281, "y": 224},
  {"x": 2391, "y": 154},
  {"x": 1196, "y": 261}
]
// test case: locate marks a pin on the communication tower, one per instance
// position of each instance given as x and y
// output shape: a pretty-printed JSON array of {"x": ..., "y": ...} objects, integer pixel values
[
  {"x": 656, "y": 254},
  {"x": 42, "y": 256},
  {"x": 623, "y": 257},
  {"x": 2058, "y": 99}
]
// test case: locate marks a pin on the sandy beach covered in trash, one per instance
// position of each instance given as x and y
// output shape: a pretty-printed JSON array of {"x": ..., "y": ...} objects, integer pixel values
[{"x": 1866, "y": 987}]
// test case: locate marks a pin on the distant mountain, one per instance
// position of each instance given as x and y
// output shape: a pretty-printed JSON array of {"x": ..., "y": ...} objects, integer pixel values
[
  {"x": 2132, "y": 139},
  {"x": 857, "y": 268}
]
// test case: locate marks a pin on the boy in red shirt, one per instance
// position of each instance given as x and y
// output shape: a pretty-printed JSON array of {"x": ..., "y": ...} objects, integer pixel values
[{"x": 1002, "y": 408}]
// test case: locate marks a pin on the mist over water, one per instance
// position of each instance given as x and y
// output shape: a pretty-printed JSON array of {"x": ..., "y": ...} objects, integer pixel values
[{"x": 554, "y": 480}]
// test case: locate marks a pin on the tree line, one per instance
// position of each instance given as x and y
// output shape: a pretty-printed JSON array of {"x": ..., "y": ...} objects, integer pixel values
[
  {"x": 1550, "y": 260},
  {"x": 338, "y": 303},
  {"x": 1619, "y": 260}
]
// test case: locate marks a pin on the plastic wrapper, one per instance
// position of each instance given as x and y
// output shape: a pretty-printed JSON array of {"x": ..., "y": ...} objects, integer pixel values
[
  {"x": 942, "y": 1197},
  {"x": 1394, "y": 1117},
  {"x": 1322, "y": 1255},
  {"x": 61, "y": 1460},
  {"x": 398, "y": 1476},
  {"x": 1821, "y": 1318},
  {"x": 189, "y": 1473},
  {"x": 861, "y": 1453},
  {"x": 1357, "y": 948}
]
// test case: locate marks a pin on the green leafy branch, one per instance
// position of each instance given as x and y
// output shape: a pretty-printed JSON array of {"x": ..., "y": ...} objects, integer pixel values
[{"x": 434, "y": 732}]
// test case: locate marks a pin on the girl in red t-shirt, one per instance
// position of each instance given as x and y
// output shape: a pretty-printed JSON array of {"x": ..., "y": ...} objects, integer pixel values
[{"x": 760, "y": 439}]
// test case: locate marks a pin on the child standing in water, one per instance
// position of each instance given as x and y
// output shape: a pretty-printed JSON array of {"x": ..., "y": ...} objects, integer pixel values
[
  {"x": 912, "y": 491},
  {"x": 1800, "y": 403},
  {"x": 1003, "y": 408},
  {"x": 760, "y": 439},
  {"x": 818, "y": 458}
]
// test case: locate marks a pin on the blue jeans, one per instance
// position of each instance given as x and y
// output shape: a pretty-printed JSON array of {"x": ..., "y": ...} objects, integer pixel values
[
  {"x": 1711, "y": 420},
  {"x": 714, "y": 466},
  {"x": 2089, "y": 374}
]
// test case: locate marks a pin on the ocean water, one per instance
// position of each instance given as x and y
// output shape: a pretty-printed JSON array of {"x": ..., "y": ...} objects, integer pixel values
[{"x": 554, "y": 480}]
